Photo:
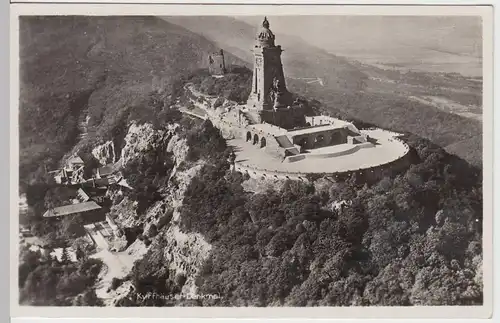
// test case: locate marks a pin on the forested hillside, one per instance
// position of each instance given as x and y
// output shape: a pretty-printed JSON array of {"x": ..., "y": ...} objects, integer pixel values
[
  {"x": 408, "y": 239},
  {"x": 101, "y": 67}
]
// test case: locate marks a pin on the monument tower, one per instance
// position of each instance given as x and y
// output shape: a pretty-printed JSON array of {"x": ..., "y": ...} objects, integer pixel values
[
  {"x": 269, "y": 99},
  {"x": 268, "y": 85}
]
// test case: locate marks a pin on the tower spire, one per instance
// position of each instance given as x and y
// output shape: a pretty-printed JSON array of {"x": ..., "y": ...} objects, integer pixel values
[{"x": 265, "y": 23}]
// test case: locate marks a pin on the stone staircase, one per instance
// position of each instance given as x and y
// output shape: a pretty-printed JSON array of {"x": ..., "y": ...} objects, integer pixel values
[
  {"x": 285, "y": 143},
  {"x": 250, "y": 118}
]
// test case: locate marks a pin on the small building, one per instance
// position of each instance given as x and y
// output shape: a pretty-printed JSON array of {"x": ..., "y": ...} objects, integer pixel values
[
  {"x": 74, "y": 162},
  {"x": 123, "y": 183},
  {"x": 24, "y": 232},
  {"x": 99, "y": 183},
  {"x": 82, "y": 196},
  {"x": 90, "y": 211},
  {"x": 71, "y": 173},
  {"x": 63, "y": 176},
  {"x": 104, "y": 172}
]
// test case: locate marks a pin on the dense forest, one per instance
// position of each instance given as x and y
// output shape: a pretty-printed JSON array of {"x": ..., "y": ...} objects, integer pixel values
[
  {"x": 413, "y": 239},
  {"x": 409, "y": 239},
  {"x": 44, "y": 280}
]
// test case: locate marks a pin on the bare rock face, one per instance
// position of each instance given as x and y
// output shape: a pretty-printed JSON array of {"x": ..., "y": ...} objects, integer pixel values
[
  {"x": 186, "y": 253},
  {"x": 105, "y": 153},
  {"x": 118, "y": 244},
  {"x": 126, "y": 215},
  {"x": 139, "y": 140},
  {"x": 152, "y": 219},
  {"x": 179, "y": 148},
  {"x": 142, "y": 138}
]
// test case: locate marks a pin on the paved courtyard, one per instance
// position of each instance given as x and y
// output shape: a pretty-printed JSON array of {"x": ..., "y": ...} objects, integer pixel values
[{"x": 387, "y": 150}]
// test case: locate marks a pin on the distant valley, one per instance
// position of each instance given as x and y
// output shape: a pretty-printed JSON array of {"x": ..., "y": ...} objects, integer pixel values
[{"x": 421, "y": 43}]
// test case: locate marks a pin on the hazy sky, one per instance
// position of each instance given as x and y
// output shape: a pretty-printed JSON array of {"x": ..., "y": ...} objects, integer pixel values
[
  {"x": 460, "y": 35},
  {"x": 429, "y": 43}
]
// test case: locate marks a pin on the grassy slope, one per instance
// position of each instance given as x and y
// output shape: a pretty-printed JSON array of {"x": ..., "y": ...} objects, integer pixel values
[
  {"x": 346, "y": 86},
  {"x": 103, "y": 65}
]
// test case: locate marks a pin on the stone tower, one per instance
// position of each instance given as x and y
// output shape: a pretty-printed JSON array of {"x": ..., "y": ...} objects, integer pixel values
[
  {"x": 216, "y": 64},
  {"x": 268, "y": 84},
  {"x": 269, "y": 100}
]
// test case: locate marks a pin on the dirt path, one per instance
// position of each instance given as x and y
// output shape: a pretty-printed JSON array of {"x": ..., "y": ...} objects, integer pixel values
[{"x": 117, "y": 264}]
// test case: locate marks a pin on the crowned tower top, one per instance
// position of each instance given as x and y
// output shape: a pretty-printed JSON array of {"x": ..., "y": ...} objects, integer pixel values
[{"x": 265, "y": 37}]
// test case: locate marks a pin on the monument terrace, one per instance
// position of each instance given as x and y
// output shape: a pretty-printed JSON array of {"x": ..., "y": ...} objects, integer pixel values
[{"x": 272, "y": 134}]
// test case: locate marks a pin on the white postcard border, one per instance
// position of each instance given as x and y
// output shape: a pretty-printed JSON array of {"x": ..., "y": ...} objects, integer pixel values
[{"x": 232, "y": 312}]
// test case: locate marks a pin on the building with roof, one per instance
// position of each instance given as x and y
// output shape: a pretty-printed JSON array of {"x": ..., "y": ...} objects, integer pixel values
[
  {"x": 105, "y": 171},
  {"x": 82, "y": 196},
  {"x": 71, "y": 173},
  {"x": 90, "y": 211},
  {"x": 74, "y": 162}
]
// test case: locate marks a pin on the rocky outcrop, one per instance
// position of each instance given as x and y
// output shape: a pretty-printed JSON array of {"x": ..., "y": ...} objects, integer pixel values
[
  {"x": 173, "y": 196},
  {"x": 185, "y": 251},
  {"x": 118, "y": 244},
  {"x": 125, "y": 213},
  {"x": 117, "y": 265},
  {"x": 105, "y": 153},
  {"x": 142, "y": 138},
  {"x": 179, "y": 148}
]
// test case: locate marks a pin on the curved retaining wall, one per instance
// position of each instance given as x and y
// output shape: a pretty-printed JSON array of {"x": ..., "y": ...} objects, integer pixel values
[
  {"x": 234, "y": 130},
  {"x": 268, "y": 174},
  {"x": 291, "y": 159},
  {"x": 365, "y": 174}
]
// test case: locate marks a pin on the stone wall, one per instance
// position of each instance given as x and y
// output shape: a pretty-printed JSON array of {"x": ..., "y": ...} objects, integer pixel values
[
  {"x": 274, "y": 149},
  {"x": 264, "y": 141},
  {"x": 216, "y": 64},
  {"x": 348, "y": 151},
  {"x": 369, "y": 174},
  {"x": 284, "y": 118},
  {"x": 112, "y": 224},
  {"x": 320, "y": 139},
  {"x": 266, "y": 174},
  {"x": 232, "y": 126},
  {"x": 320, "y": 120}
]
